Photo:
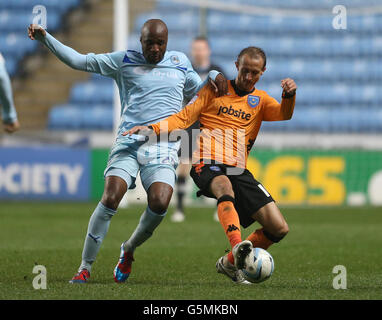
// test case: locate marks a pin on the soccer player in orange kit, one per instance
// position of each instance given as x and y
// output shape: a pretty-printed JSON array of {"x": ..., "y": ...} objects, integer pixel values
[{"x": 229, "y": 127}]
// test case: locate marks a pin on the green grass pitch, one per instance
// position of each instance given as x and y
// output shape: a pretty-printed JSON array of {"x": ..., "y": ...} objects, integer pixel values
[{"x": 178, "y": 262}]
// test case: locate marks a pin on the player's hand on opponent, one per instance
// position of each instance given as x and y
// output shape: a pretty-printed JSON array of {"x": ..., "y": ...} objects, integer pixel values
[
  {"x": 143, "y": 130},
  {"x": 220, "y": 85},
  {"x": 289, "y": 86},
  {"x": 11, "y": 127},
  {"x": 34, "y": 30}
]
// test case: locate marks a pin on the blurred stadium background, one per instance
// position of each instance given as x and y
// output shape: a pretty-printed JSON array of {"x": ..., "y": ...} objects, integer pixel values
[{"x": 329, "y": 154}]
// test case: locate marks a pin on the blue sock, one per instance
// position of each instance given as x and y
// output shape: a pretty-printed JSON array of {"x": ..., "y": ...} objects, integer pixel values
[
  {"x": 148, "y": 222},
  {"x": 98, "y": 226}
]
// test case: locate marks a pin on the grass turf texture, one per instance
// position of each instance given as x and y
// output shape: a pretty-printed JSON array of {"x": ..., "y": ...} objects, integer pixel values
[{"x": 178, "y": 262}]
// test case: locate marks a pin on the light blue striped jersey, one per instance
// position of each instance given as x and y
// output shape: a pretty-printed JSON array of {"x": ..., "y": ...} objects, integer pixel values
[{"x": 148, "y": 93}]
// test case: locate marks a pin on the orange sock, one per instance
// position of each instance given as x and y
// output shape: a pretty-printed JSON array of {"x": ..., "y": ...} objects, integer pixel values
[
  {"x": 230, "y": 257},
  {"x": 259, "y": 240},
  {"x": 229, "y": 219}
]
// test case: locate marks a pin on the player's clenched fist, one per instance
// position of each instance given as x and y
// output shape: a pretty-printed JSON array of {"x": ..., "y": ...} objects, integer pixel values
[
  {"x": 35, "y": 30},
  {"x": 289, "y": 86}
]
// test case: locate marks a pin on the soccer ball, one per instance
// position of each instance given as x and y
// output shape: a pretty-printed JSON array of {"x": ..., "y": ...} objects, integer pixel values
[{"x": 259, "y": 265}]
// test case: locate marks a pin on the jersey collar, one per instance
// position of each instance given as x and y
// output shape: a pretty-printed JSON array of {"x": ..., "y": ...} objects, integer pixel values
[{"x": 239, "y": 92}]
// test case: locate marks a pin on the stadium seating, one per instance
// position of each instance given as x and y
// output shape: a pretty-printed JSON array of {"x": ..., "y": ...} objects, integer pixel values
[
  {"x": 338, "y": 72},
  {"x": 73, "y": 117},
  {"x": 16, "y": 15},
  {"x": 92, "y": 93},
  {"x": 224, "y": 21}
]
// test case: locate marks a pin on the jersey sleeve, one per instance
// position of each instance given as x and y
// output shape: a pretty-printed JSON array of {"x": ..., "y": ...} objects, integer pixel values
[
  {"x": 8, "y": 112},
  {"x": 193, "y": 82},
  {"x": 69, "y": 56},
  {"x": 106, "y": 64},
  {"x": 275, "y": 111},
  {"x": 188, "y": 115}
]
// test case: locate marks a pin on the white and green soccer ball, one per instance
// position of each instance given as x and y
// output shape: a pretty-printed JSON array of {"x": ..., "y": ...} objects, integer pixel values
[{"x": 259, "y": 266}]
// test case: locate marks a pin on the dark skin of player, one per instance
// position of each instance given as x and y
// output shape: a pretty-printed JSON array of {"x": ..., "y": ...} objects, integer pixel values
[{"x": 154, "y": 37}]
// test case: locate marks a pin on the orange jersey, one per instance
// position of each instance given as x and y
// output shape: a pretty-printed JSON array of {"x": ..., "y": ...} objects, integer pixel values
[{"x": 229, "y": 124}]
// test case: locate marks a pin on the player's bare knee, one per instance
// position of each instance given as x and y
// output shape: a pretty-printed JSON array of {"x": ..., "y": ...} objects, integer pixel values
[
  {"x": 159, "y": 199},
  {"x": 158, "y": 204},
  {"x": 280, "y": 232},
  {"x": 115, "y": 188},
  {"x": 221, "y": 185},
  {"x": 283, "y": 230},
  {"x": 277, "y": 233},
  {"x": 110, "y": 200}
]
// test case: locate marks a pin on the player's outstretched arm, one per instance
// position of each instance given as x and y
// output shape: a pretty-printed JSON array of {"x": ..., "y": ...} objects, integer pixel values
[
  {"x": 144, "y": 130},
  {"x": 8, "y": 110},
  {"x": 289, "y": 98},
  {"x": 275, "y": 111},
  {"x": 66, "y": 54},
  {"x": 194, "y": 84},
  {"x": 181, "y": 120},
  {"x": 219, "y": 84}
]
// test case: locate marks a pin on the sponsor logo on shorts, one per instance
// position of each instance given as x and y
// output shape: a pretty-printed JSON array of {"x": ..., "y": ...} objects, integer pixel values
[
  {"x": 167, "y": 160},
  {"x": 215, "y": 168}
]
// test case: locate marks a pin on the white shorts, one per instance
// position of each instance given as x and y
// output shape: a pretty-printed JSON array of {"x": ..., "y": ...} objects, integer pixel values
[{"x": 156, "y": 162}]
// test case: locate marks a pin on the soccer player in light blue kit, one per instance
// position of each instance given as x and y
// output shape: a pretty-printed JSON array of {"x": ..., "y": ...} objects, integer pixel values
[
  {"x": 152, "y": 86},
  {"x": 8, "y": 111}
]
